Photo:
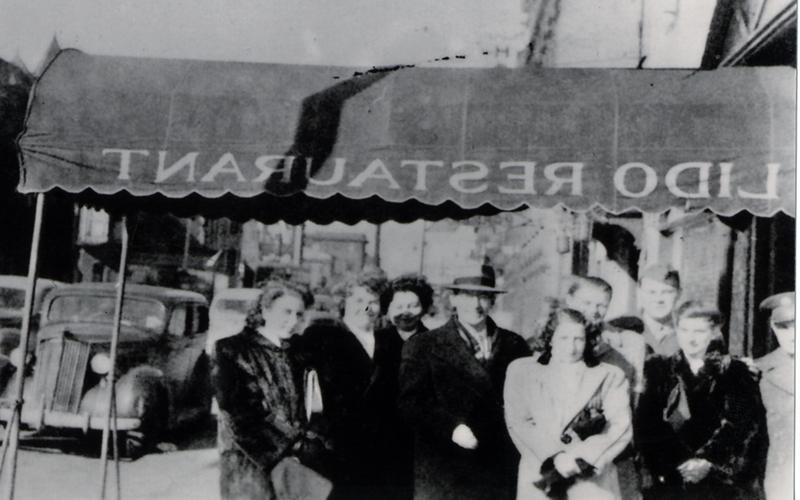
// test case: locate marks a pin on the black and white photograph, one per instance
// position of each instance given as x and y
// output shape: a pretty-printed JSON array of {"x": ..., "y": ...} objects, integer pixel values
[{"x": 384, "y": 250}]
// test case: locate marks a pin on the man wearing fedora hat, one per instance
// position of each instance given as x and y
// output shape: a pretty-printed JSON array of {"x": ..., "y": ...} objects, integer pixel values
[
  {"x": 451, "y": 392},
  {"x": 777, "y": 391}
]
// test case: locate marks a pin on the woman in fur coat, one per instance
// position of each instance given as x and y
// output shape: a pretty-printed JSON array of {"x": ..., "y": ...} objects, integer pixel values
[
  {"x": 568, "y": 415},
  {"x": 700, "y": 424},
  {"x": 258, "y": 378}
]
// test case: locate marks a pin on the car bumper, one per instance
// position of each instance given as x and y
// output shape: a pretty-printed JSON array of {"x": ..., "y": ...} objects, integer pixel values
[{"x": 38, "y": 419}]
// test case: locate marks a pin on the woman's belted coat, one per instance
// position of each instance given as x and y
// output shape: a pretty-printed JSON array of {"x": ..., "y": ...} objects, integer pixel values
[{"x": 538, "y": 411}]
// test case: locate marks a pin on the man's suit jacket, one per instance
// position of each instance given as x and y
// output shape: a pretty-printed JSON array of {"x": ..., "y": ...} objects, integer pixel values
[{"x": 443, "y": 385}]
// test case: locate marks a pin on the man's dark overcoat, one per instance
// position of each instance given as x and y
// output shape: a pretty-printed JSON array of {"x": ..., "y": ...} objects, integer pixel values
[
  {"x": 359, "y": 397},
  {"x": 716, "y": 415},
  {"x": 399, "y": 469},
  {"x": 442, "y": 385}
]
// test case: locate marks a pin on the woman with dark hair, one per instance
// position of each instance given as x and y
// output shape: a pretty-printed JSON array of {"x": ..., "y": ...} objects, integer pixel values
[
  {"x": 405, "y": 301},
  {"x": 568, "y": 415},
  {"x": 700, "y": 424},
  {"x": 358, "y": 367},
  {"x": 259, "y": 384}
]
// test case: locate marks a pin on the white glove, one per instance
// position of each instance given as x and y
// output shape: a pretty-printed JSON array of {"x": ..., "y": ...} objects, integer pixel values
[
  {"x": 565, "y": 465},
  {"x": 695, "y": 470},
  {"x": 463, "y": 436}
]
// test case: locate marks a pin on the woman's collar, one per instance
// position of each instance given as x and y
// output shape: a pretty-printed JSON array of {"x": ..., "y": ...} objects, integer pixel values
[{"x": 356, "y": 330}]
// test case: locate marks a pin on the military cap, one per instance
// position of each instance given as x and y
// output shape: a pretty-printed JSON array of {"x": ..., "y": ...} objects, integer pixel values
[
  {"x": 662, "y": 273},
  {"x": 781, "y": 306}
]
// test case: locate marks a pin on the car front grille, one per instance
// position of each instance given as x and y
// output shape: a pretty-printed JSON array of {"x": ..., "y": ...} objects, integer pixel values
[
  {"x": 10, "y": 322},
  {"x": 61, "y": 373}
]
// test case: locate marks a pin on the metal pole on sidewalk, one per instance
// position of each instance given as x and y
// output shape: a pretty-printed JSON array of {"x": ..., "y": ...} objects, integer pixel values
[
  {"x": 422, "y": 248},
  {"x": 10, "y": 426},
  {"x": 30, "y": 290},
  {"x": 111, "y": 399},
  {"x": 187, "y": 240},
  {"x": 378, "y": 245},
  {"x": 115, "y": 443},
  {"x": 298, "y": 237}
]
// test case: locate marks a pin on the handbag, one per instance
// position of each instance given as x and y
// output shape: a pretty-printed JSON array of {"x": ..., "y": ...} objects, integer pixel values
[
  {"x": 291, "y": 480},
  {"x": 588, "y": 422}
]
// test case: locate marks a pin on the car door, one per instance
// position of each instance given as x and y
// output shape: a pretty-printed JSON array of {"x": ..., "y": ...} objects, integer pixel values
[
  {"x": 198, "y": 327},
  {"x": 185, "y": 338}
]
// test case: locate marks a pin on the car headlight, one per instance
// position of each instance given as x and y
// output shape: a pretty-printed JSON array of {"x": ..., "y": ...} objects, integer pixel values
[
  {"x": 100, "y": 363},
  {"x": 16, "y": 357}
]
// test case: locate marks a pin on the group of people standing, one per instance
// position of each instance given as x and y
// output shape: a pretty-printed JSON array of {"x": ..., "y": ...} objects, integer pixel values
[{"x": 648, "y": 407}]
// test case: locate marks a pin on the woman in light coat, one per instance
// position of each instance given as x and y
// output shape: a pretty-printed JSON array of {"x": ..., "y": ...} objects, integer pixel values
[{"x": 544, "y": 394}]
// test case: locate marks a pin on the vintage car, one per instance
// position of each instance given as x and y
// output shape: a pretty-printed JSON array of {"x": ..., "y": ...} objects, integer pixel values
[
  {"x": 12, "y": 303},
  {"x": 162, "y": 371},
  {"x": 229, "y": 307}
]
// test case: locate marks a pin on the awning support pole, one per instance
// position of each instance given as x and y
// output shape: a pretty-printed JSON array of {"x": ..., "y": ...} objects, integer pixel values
[
  {"x": 111, "y": 399},
  {"x": 30, "y": 290},
  {"x": 422, "y": 248},
  {"x": 187, "y": 240},
  {"x": 298, "y": 235},
  {"x": 378, "y": 245},
  {"x": 10, "y": 426},
  {"x": 115, "y": 443}
]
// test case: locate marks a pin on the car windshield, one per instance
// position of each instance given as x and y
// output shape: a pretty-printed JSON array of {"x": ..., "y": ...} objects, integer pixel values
[
  {"x": 12, "y": 298},
  {"x": 234, "y": 305},
  {"x": 87, "y": 308}
]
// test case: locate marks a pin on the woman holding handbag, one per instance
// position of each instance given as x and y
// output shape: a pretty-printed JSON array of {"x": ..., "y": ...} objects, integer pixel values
[
  {"x": 270, "y": 444},
  {"x": 568, "y": 415}
]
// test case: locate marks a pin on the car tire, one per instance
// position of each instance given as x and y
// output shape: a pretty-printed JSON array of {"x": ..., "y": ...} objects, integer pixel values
[
  {"x": 152, "y": 410},
  {"x": 133, "y": 445}
]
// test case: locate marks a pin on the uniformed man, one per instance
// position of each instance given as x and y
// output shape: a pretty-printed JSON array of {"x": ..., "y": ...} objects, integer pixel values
[
  {"x": 659, "y": 289},
  {"x": 777, "y": 391}
]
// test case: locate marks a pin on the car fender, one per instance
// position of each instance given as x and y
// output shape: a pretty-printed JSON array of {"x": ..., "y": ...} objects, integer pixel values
[{"x": 138, "y": 391}]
